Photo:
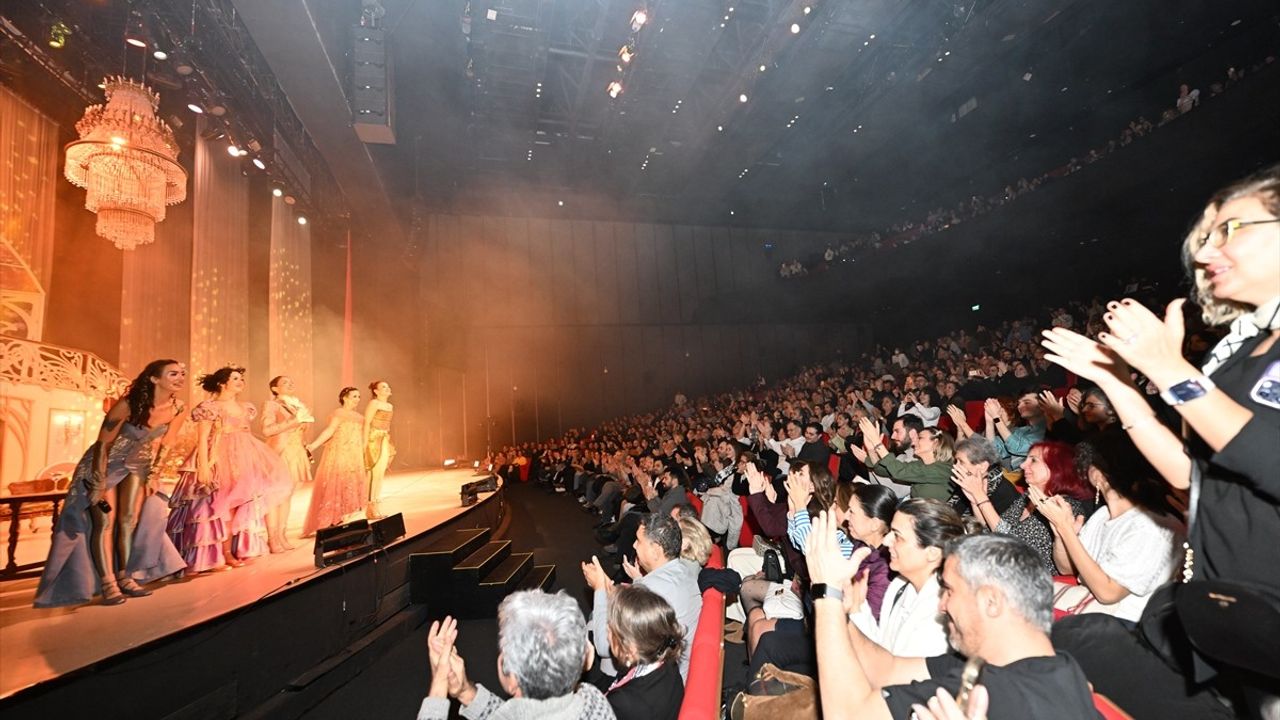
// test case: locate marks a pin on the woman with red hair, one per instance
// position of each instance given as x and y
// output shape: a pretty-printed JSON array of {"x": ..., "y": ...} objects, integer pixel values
[{"x": 1049, "y": 471}]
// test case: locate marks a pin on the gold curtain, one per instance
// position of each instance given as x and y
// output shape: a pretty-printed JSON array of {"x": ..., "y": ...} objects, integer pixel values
[
  {"x": 28, "y": 179},
  {"x": 219, "y": 259},
  {"x": 289, "y": 303}
]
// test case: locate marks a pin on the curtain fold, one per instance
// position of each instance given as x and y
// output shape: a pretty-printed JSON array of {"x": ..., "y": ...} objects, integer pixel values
[
  {"x": 289, "y": 301},
  {"x": 219, "y": 259},
  {"x": 29, "y": 156}
]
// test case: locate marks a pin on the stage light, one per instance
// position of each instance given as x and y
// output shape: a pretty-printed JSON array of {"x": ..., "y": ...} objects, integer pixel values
[
  {"x": 476, "y": 464},
  {"x": 233, "y": 151},
  {"x": 807, "y": 9},
  {"x": 873, "y": 36},
  {"x": 135, "y": 32},
  {"x": 302, "y": 219},
  {"x": 216, "y": 108},
  {"x": 195, "y": 108},
  {"x": 118, "y": 140},
  {"x": 560, "y": 203},
  {"x": 257, "y": 162},
  {"x": 638, "y": 19},
  {"x": 289, "y": 200},
  {"x": 58, "y": 33},
  {"x": 277, "y": 192},
  {"x": 160, "y": 55},
  {"x": 615, "y": 89},
  {"x": 182, "y": 66},
  {"x": 625, "y": 53},
  {"x": 450, "y": 462},
  {"x": 743, "y": 98},
  {"x": 763, "y": 68},
  {"x": 795, "y": 28},
  {"x": 975, "y": 308},
  {"x": 719, "y": 128}
]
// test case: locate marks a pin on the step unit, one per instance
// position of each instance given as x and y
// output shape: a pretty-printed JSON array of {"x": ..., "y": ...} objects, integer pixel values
[{"x": 467, "y": 574}]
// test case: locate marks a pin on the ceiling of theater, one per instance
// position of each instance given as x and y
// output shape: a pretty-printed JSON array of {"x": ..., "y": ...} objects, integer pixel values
[
  {"x": 858, "y": 120},
  {"x": 858, "y": 114}
]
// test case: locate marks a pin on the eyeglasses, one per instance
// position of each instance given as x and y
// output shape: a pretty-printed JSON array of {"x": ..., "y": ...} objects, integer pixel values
[{"x": 1222, "y": 234}]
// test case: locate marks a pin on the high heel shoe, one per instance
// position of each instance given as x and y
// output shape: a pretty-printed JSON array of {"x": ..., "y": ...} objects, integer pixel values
[
  {"x": 111, "y": 594},
  {"x": 130, "y": 587}
]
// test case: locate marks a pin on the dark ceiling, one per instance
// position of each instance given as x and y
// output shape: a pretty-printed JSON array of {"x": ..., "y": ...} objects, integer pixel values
[
  {"x": 501, "y": 105},
  {"x": 517, "y": 104}
]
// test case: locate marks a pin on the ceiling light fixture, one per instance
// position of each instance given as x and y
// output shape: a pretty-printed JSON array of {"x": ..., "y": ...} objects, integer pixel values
[
  {"x": 257, "y": 162},
  {"x": 160, "y": 55},
  {"x": 615, "y": 89},
  {"x": 638, "y": 19},
  {"x": 625, "y": 53},
  {"x": 302, "y": 219},
  {"x": 233, "y": 151},
  {"x": 277, "y": 192},
  {"x": 743, "y": 98},
  {"x": 58, "y": 33},
  {"x": 795, "y": 28}
]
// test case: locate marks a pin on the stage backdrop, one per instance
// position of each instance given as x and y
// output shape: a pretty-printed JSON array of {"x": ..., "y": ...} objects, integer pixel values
[{"x": 28, "y": 175}]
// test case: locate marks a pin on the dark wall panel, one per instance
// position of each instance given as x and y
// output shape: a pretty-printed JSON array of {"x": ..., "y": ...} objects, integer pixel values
[{"x": 561, "y": 323}]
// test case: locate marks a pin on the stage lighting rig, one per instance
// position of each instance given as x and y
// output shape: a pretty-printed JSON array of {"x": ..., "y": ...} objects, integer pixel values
[{"x": 58, "y": 34}]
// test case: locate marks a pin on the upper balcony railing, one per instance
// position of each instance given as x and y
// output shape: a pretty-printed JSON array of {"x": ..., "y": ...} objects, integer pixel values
[{"x": 55, "y": 367}]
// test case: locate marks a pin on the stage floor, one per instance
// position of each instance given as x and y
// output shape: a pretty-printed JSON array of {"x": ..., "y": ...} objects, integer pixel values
[{"x": 37, "y": 645}]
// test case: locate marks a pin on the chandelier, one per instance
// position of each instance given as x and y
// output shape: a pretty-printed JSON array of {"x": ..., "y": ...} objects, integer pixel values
[{"x": 127, "y": 161}]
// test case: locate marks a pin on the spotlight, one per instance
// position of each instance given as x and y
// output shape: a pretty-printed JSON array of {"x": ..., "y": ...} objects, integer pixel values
[
  {"x": 217, "y": 108},
  {"x": 160, "y": 55},
  {"x": 795, "y": 28},
  {"x": 302, "y": 219},
  {"x": 119, "y": 140},
  {"x": 135, "y": 33},
  {"x": 615, "y": 89},
  {"x": 807, "y": 9},
  {"x": 289, "y": 200},
  {"x": 183, "y": 66},
  {"x": 58, "y": 33},
  {"x": 560, "y": 203},
  {"x": 743, "y": 98},
  {"x": 277, "y": 192},
  {"x": 763, "y": 68},
  {"x": 625, "y": 53},
  {"x": 638, "y": 20},
  {"x": 257, "y": 162},
  {"x": 233, "y": 151},
  {"x": 195, "y": 108}
]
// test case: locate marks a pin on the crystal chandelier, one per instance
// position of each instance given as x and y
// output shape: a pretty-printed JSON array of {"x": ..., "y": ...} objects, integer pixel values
[{"x": 127, "y": 161}]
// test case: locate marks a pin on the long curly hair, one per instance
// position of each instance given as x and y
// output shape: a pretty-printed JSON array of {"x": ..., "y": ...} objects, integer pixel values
[{"x": 141, "y": 394}]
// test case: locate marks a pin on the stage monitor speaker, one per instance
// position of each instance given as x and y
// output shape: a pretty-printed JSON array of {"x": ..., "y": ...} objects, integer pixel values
[
  {"x": 388, "y": 529},
  {"x": 342, "y": 542}
]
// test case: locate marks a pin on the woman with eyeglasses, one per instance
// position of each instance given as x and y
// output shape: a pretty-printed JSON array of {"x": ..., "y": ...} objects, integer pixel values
[
  {"x": 929, "y": 476},
  {"x": 1231, "y": 405}
]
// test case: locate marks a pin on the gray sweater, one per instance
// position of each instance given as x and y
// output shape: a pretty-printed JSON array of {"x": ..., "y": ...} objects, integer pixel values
[{"x": 586, "y": 703}]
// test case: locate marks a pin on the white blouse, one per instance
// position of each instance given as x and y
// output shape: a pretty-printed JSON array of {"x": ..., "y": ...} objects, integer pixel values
[{"x": 910, "y": 625}]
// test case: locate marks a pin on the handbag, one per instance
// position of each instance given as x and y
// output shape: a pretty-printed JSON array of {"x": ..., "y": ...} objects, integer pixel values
[
  {"x": 1232, "y": 624},
  {"x": 776, "y": 694}
]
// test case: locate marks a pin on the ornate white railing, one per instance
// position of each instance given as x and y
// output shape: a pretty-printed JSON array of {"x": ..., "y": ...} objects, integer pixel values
[{"x": 54, "y": 366}]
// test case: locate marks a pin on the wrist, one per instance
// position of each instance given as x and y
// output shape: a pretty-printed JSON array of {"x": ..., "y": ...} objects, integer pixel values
[{"x": 467, "y": 694}]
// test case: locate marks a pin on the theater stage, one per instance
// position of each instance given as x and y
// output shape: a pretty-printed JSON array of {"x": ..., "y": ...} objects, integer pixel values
[{"x": 317, "y": 612}]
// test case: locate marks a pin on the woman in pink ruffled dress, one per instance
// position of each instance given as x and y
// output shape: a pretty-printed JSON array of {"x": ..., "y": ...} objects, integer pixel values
[
  {"x": 227, "y": 487},
  {"x": 342, "y": 483}
]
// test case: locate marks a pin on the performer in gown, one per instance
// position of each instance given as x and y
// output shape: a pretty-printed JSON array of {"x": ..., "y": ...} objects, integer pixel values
[
  {"x": 92, "y": 545},
  {"x": 285, "y": 423},
  {"x": 342, "y": 482},
  {"x": 228, "y": 484},
  {"x": 379, "y": 450}
]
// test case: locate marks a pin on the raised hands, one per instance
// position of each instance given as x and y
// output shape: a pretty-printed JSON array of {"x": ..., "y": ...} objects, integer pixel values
[
  {"x": 971, "y": 483},
  {"x": 1051, "y": 406},
  {"x": 799, "y": 490},
  {"x": 1078, "y": 354},
  {"x": 1061, "y": 517},
  {"x": 960, "y": 419},
  {"x": 596, "y": 577},
  {"x": 1150, "y": 344},
  {"x": 448, "y": 671},
  {"x": 822, "y": 553}
]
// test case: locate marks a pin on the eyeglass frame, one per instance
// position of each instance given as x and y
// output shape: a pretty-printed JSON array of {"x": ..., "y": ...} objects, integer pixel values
[{"x": 1228, "y": 229}]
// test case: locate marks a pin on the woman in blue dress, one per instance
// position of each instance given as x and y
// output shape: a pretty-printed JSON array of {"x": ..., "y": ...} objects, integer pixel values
[{"x": 94, "y": 536}]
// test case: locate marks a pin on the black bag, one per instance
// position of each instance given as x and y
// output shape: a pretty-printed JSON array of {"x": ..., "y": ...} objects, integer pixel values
[
  {"x": 1232, "y": 624},
  {"x": 772, "y": 568}
]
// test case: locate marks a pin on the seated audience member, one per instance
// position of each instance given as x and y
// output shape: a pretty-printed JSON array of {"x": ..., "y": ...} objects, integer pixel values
[
  {"x": 863, "y": 513},
  {"x": 920, "y": 404},
  {"x": 662, "y": 570},
  {"x": 930, "y": 475},
  {"x": 908, "y": 624},
  {"x": 646, "y": 642},
  {"x": 998, "y": 602},
  {"x": 695, "y": 541},
  {"x": 1014, "y": 442},
  {"x": 542, "y": 653},
  {"x": 1094, "y": 417},
  {"x": 814, "y": 449},
  {"x": 1127, "y": 548},
  {"x": 980, "y": 478},
  {"x": 1049, "y": 472}
]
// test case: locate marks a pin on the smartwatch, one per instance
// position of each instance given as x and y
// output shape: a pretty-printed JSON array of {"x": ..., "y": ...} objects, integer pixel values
[
  {"x": 823, "y": 590},
  {"x": 1187, "y": 390}
]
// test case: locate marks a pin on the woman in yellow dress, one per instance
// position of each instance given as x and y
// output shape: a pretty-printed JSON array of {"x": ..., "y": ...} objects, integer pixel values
[
  {"x": 378, "y": 448},
  {"x": 342, "y": 481}
]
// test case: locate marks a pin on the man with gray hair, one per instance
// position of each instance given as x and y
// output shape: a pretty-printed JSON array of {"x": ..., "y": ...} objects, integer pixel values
[
  {"x": 997, "y": 599},
  {"x": 542, "y": 654}
]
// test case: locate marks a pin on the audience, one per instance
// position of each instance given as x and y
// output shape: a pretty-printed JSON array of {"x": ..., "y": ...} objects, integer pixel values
[
  {"x": 542, "y": 654},
  {"x": 647, "y": 640}
]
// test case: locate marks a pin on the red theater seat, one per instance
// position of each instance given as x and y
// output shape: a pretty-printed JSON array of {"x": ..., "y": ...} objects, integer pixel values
[
  {"x": 706, "y": 660},
  {"x": 1107, "y": 709}
]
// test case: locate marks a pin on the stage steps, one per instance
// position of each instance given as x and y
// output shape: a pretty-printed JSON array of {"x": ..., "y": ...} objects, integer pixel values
[{"x": 466, "y": 574}]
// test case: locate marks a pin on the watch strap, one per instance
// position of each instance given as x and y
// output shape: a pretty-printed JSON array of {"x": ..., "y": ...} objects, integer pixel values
[{"x": 1190, "y": 389}]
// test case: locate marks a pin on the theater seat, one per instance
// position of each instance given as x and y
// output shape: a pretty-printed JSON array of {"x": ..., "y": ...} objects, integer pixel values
[
  {"x": 748, "y": 533},
  {"x": 1065, "y": 580},
  {"x": 975, "y": 416},
  {"x": 1107, "y": 709},
  {"x": 833, "y": 464},
  {"x": 706, "y": 660}
]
